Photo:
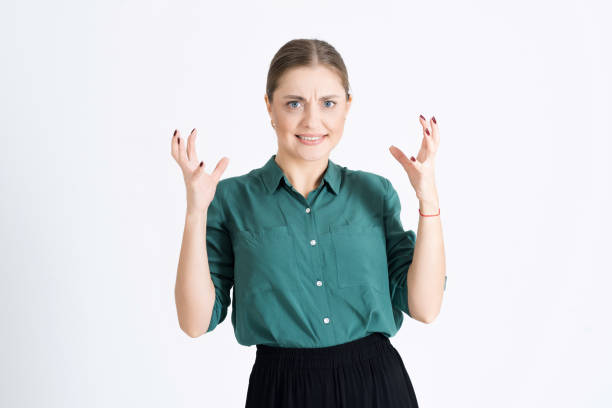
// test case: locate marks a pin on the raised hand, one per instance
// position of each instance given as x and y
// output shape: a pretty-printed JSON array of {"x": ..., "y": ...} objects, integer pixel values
[
  {"x": 421, "y": 170},
  {"x": 200, "y": 185}
]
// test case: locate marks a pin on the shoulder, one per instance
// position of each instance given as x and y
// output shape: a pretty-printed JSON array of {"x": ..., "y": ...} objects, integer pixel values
[
  {"x": 233, "y": 184},
  {"x": 227, "y": 195},
  {"x": 366, "y": 180},
  {"x": 234, "y": 190}
]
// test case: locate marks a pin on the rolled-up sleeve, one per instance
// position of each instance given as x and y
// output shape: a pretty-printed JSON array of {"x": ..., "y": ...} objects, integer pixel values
[
  {"x": 400, "y": 249},
  {"x": 220, "y": 258}
]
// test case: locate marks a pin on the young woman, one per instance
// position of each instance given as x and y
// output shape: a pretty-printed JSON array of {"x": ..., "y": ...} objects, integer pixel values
[{"x": 320, "y": 265}]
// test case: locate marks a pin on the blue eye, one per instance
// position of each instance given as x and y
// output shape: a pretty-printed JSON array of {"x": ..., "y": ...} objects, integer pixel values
[
  {"x": 331, "y": 102},
  {"x": 295, "y": 107}
]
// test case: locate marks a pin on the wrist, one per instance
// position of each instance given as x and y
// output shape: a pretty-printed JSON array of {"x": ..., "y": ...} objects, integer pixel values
[
  {"x": 429, "y": 206},
  {"x": 196, "y": 216}
]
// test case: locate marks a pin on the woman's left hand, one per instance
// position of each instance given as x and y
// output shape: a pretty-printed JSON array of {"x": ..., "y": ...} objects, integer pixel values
[{"x": 421, "y": 170}]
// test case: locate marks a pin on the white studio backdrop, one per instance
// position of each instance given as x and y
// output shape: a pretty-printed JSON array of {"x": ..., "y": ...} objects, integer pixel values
[{"x": 93, "y": 204}]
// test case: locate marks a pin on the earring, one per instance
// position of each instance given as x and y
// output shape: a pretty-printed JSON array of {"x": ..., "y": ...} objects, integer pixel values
[{"x": 273, "y": 125}]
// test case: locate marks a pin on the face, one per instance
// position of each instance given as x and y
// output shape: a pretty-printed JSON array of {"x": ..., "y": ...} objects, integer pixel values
[{"x": 309, "y": 102}]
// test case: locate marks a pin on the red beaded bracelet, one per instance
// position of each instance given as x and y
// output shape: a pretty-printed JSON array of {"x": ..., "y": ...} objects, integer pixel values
[{"x": 430, "y": 215}]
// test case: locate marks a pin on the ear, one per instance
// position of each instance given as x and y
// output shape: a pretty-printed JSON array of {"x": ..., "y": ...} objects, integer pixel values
[
  {"x": 348, "y": 103},
  {"x": 268, "y": 107}
]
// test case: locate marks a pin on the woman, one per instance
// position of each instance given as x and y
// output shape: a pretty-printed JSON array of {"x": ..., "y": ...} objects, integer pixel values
[{"x": 320, "y": 265}]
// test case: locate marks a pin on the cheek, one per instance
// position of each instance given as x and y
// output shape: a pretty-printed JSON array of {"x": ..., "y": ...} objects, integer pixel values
[
  {"x": 336, "y": 124},
  {"x": 288, "y": 122}
]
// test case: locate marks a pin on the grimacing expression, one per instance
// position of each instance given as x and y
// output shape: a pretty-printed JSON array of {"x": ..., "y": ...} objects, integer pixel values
[{"x": 309, "y": 102}]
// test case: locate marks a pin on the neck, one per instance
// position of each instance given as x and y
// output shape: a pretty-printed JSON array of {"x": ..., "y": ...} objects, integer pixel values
[{"x": 304, "y": 175}]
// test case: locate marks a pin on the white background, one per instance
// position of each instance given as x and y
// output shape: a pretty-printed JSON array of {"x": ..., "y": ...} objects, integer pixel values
[{"x": 93, "y": 205}]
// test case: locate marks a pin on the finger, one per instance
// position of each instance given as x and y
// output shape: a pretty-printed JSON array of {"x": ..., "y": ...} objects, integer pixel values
[
  {"x": 428, "y": 146},
  {"x": 191, "y": 151},
  {"x": 426, "y": 142},
  {"x": 199, "y": 169},
  {"x": 427, "y": 149},
  {"x": 424, "y": 151},
  {"x": 435, "y": 131},
  {"x": 406, "y": 163},
  {"x": 174, "y": 145},
  {"x": 426, "y": 130},
  {"x": 220, "y": 168},
  {"x": 181, "y": 149}
]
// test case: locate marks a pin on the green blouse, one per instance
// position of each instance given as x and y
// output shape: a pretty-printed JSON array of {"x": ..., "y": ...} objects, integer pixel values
[{"x": 308, "y": 272}]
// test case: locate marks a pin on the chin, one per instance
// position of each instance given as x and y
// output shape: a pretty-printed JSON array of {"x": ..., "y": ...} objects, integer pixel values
[
  {"x": 314, "y": 152},
  {"x": 313, "y": 156}
]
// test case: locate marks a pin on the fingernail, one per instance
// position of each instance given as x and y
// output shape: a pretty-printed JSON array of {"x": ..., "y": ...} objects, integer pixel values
[
  {"x": 426, "y": 130},
  {"x": 412, "y": 158},
  {"x": 175, "y": 130},
  {"x": 193, "y": 130},
  {"x": 422, "y": 117},
  {"x": 201, "y": 163},
  {"x": 434, "y": 120},
  {"x": 179, "y": 140}
]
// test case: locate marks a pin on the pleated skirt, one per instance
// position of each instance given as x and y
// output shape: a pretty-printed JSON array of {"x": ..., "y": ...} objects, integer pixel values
[{"x": 367, "y": 372}]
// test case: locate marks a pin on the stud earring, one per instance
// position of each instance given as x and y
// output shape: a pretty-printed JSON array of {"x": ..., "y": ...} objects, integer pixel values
[{"x": 273, "y": 125}]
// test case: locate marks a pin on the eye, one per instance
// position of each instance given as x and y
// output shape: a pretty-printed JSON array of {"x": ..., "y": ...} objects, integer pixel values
[
  {"x": 290, "y": 106},
  {"x": 334, "y": 103}
]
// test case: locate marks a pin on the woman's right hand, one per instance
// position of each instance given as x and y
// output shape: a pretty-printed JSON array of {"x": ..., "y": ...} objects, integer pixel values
[{"x": 200, "y": 185}]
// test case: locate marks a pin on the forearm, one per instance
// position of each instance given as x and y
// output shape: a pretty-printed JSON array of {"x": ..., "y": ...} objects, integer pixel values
[
  {"x": 427, "y": 272},
  {"x": 194, "y": 290}
]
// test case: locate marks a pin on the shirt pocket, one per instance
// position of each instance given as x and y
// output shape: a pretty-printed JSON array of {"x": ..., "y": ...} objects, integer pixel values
[
  {"x": 361, "y": 255},
  {"x": 265, "y": 259}
]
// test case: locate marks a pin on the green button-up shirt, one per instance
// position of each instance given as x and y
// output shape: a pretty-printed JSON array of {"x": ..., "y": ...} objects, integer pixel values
[{"x": 308, "y": 272}]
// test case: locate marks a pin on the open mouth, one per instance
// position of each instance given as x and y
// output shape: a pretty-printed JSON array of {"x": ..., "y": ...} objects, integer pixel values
[{"x": 311, "y": 139}]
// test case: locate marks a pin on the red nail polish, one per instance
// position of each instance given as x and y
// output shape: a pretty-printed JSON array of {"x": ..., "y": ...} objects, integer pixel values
[
  {"x": 434, "y": 120},
  {"x": 179, "y": 140},
  {"x": 422, "y": 117},
  {"x": 201, "y": 163},
  {"x": 412, "y": 158},
  {"x": 426, "y": 130},
  {"x": 175, "y": 130}
]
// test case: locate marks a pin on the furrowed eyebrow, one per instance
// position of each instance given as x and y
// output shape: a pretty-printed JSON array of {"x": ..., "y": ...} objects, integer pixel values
[{"x": 300, "y": 98}]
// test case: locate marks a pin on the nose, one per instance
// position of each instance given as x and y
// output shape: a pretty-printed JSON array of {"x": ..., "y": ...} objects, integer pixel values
[{"x": 311, "y": 117}]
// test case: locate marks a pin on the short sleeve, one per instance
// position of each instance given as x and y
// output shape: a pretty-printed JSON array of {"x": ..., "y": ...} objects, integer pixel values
[
  {"x": 220, "y": 258},
  {"x": 400, "y": 249}
]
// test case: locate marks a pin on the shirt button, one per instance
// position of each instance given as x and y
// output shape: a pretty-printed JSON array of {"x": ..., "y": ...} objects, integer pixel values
[
  {"x": 326, "y": 320},
  {"x": 313, "y": 242},
  {"x": 308, "y": 210},
  {"x": 319, "y": 283}
]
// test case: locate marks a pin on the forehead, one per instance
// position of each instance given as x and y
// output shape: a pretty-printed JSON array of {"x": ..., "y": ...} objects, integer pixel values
[{"x": 308, "y": 80}]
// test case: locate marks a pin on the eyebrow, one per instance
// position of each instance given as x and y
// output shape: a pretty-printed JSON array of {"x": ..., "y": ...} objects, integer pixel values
[{"x": 300, "y": 98}]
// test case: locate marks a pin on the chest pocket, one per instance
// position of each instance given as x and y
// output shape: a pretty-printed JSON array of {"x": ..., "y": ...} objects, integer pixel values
[
  {"x": 361, "y": 255},
  {"x": 265, "y": 259}
]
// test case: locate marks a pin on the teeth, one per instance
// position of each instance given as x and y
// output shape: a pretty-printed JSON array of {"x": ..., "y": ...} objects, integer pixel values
[{"x": 309, "y": 138}]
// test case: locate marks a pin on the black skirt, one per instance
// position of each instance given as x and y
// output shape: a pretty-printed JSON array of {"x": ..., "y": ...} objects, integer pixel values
[{"x": 366, "y": 372}]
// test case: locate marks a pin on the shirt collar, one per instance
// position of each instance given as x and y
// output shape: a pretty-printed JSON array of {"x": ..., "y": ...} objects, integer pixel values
[{"x": 272, "y": 174}]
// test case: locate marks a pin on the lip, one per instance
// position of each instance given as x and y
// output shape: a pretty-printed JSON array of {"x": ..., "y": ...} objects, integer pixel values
[
  {"x": 311, "y": 134},
  {"x": 311, "y": 142}
]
